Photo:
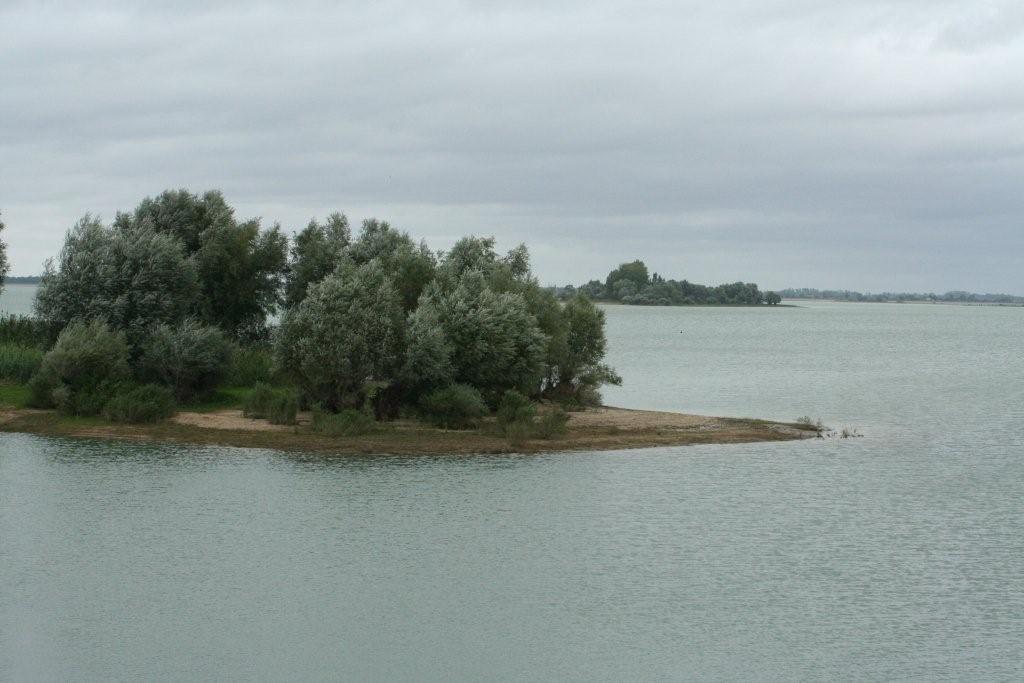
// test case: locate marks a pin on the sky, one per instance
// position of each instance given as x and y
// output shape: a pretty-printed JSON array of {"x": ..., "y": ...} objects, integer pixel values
[{"x": 875, "y": 145}]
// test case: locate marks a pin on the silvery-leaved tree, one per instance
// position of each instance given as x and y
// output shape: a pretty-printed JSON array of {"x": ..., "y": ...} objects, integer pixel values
[
  {"x": 131, "y": 279},
  {"x": 345, "y": 337}
]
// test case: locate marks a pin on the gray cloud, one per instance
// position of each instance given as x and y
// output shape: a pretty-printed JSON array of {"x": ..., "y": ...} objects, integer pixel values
[{"x": 871, "y": 145}]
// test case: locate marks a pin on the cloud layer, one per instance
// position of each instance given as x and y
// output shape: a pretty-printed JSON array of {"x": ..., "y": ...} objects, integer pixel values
[{"x": 871, "y": 145}]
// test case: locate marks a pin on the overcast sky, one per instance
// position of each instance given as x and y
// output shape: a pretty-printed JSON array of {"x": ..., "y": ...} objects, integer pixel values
[{"x": 871, "y": 144}]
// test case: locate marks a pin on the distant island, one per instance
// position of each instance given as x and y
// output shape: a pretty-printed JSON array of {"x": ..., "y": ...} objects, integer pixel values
[
  {"x": 631, "y": 283},
  {"x": 896, "y": 297}
]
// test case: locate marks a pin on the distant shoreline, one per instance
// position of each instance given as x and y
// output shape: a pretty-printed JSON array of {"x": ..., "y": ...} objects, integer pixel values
[{"x": 908, "y": 301}]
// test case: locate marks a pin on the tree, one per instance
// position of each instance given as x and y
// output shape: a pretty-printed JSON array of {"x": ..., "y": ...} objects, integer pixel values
[
  {"x": 241, "y": 267},
  {"x": 635, "y": 272},
  {"x": 772, "y": 299},
  {"x": 346, "y": 334},
  {"x": 131, "y": 279},
  {"x": 490, "y": 339},
  {"x": 190, "y": 359},
  {"x": 5, "y": 267},
  {"x": 578, "y": 369},
  {"x": 182, "y": 214},
  {"x": 241, "y": 270},
  {"x": 409, "y": 265},
  {"x": 315, "y": 253}
]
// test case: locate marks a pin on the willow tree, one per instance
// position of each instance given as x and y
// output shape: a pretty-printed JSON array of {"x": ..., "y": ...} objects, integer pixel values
[
  {"x": 345, "y": 337},
  {"x": 131, "y": 279}
]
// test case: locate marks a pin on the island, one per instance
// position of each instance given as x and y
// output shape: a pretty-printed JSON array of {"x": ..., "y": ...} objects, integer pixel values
[
  {"x": 631, "y": 283},
  {"x": 179, "y": 322}
]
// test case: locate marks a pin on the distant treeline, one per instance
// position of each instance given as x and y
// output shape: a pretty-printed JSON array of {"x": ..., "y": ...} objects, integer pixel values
[
  {"x": 951, "y": 297},
  {"x": 23, "y": 280},
  {"x": 631, "y": 283}
]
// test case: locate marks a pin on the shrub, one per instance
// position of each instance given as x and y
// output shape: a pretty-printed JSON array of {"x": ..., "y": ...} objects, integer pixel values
[
  {"x": 278, "y": 406},
  {"x": 346, "y": 423},
  {"x": 249, "y": 365},
  {"x": 190, "y": 359},
  {"x": 83, "y": 369},
  {"x": 458, "y": 406},
  {"x": 515, "y": 408},
  {"x": 283, "y": 407},
  {"x": 146, "y": 403},
  {"x": 515, "y": 416},
  {"x": 552, "y": 423},
  {"x": 18, "y": 363}
]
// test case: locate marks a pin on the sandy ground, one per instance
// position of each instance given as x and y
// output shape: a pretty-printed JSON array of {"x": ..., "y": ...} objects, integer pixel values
[
  {"x": 592, "y": 430},
  {"x": 597, "y": 418},
  {"x": 234, "y": 420}
]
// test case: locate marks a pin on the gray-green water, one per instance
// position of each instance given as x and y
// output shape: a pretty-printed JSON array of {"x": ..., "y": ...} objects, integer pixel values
[{"x": 894, "y": 556}]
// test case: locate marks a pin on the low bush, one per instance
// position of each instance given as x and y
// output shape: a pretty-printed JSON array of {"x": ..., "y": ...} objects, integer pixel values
[
  {"x": 249, "y": 365},
  {"x": 552, "y": 422},
  {"x": 283, "y": 408},
  {"x": 346, "y": 423},
  {"x": 191, "y": 359},
  {"x": 278, "y": 406},
  {"x": 18, "y": 363},
  {"x": 516, "y": 414},
  {"x": 458, "y": 406},
  {"x": 82, "y": 371},
  {"x": 146, "y": 403},
  {"x": 514, "y": 408}
]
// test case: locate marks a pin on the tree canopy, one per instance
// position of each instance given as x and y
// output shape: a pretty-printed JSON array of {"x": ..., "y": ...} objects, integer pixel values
[{"x": 377, "y": 320}]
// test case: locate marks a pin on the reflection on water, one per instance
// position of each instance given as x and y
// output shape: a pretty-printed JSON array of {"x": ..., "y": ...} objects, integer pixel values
[{"x": 892, "y": 556}]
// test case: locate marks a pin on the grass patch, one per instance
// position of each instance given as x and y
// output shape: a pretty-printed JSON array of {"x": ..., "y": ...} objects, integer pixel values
[
  {"x": 19, "y": 362},
  {"x": 14, "y": 395},
  {"x": 345, "y": 423}
]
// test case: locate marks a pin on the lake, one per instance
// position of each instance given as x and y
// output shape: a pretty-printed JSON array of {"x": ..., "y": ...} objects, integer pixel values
[{"x": 893, "y": 556}]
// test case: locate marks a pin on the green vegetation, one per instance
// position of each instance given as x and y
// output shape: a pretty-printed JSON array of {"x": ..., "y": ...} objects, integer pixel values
[
  {"x": 277, "y": 406},
  {"x": 177, "y": 294},
  {"x": 458, "y": 406},
  {"x": 18, "y": 363},
  {"x": 249, "y": 365},
  {"x": 146, "y": 403},
  {"x": 883, "y": 297},
  {"x": 552, "y": 423},
  {"x": 22, "y": 330},
  {"x": 84, "y": 369},
  {"x": 630, "y": 283},
  {"x": 345, "y": 423},
  {"x": 190, "y": 358}
]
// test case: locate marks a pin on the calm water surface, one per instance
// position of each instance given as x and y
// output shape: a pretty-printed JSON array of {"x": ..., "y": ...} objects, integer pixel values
[{"x": 895, "y": 556}]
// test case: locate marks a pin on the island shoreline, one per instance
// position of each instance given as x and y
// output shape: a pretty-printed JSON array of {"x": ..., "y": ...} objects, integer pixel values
[{"x": 598, "y": 429}]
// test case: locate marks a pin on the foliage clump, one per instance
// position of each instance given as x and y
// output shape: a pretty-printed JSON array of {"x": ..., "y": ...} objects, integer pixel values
[
  {"x": 276, "y": 405},
  {"x": 191, "y": 359},
  {"x": 83, "y": 370},
  {"x": 346, "y": 333},
  {"x": 347, "y": 422},
  {"x": 140, "y": 404},
  {"x": 458, "y": 406},
  {"x": 18, "y": 363}
]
